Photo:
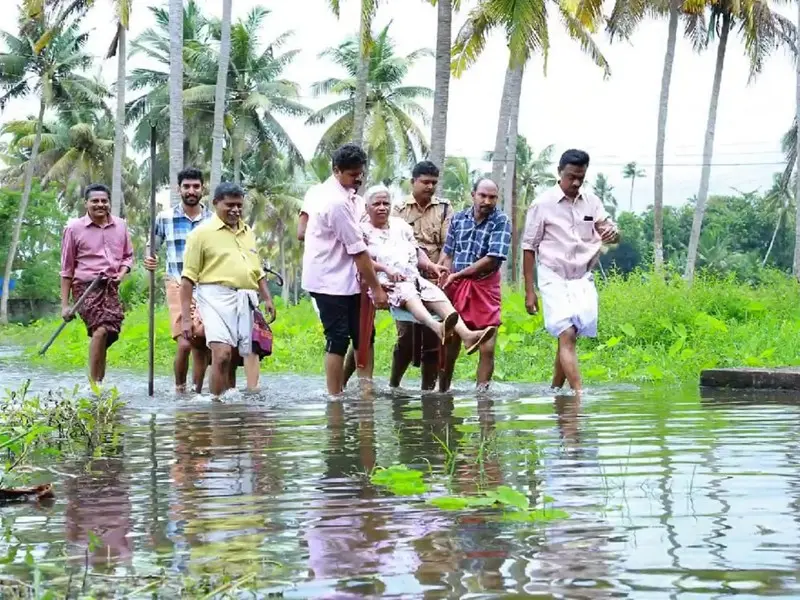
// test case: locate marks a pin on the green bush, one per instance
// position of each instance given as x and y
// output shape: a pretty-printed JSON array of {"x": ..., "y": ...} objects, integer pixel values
[{"x": 650, "y": 330}]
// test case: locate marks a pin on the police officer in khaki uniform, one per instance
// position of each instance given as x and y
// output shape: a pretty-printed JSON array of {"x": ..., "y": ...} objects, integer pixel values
[{"x": 429, "y": 216}]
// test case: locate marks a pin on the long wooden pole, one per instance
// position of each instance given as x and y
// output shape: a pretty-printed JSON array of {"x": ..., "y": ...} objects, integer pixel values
[
  {"x": 72, "y": 312},
  {"x": 151, "y": 248}
]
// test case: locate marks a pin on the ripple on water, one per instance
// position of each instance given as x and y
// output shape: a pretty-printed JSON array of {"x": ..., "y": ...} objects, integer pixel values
[{"x": 669, "y": 494}]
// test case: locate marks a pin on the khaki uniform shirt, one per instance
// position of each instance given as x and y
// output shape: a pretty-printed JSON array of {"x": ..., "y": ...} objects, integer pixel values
[{"x": 430, "y": 225}]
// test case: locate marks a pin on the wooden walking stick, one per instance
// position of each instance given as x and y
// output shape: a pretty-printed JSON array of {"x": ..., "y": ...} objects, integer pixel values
[
  {"x": 151, "y": 334},
  {"x": 72, "y": 312}
]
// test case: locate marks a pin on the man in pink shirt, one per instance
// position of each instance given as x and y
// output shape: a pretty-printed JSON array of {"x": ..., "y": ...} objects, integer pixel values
[
  {"x": 334, "y": 254},
  {"x": 564, "y": 232},
  {"x": 97, "y": 244}
]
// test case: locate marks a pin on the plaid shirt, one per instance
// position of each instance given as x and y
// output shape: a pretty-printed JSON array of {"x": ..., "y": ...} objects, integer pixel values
[
  {"x": 172, "y": 227},
  {"x": 468, "y": 242}
]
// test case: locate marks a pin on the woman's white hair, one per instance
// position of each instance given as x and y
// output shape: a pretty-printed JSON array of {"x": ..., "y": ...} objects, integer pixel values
[{"x": 374, "y": 191}]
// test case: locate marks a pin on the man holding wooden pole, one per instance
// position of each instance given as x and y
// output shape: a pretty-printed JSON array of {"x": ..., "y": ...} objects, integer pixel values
[
  {"x": 172, "y": 227},
  {"x": 96, "y": 245}
]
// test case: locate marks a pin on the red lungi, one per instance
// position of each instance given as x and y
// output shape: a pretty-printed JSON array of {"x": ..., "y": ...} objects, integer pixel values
[{"x": 477, "y": 301}]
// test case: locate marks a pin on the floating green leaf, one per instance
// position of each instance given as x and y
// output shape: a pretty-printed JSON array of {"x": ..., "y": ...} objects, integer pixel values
[{"x": 400, "y": 480}]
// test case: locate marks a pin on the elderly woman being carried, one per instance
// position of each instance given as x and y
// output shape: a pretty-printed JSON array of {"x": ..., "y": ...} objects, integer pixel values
[{"x": 398, "y": 261}]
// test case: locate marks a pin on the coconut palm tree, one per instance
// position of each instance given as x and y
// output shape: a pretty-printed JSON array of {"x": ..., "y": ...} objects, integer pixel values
[
  {"x": 796, "y": 162},
  {"x": 763, "y": 31},
  {"x": 175, "y": 97},
  {"x": 54, "y": 73},
  {"x": 219, "y": 94},
  {"x": 275, "y": 198},
  {"x": 119, "y": 48},
  {"x": 457, "y": 181},
  {"x": 441, "y": 89},
  {"x": 625, "y": 17},
  {"x": 534, "y": 171},
  {"x": 361, "y": 93},
  {"x": 152, "y": 107},
  {"x": 633, "y": 172},
  {"x": 72, "y": 152},
  {"x": 255, "y": 91},
  {"x": 605, "y": 191},
  {"x": 391, "y": 133},
  {"x": 526, "y": 27}
]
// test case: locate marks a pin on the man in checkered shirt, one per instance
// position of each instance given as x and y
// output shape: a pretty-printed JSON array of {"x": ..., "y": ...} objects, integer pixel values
[
  {"x": 477, "y": 244},
  {"x": 172, "y": 228}
]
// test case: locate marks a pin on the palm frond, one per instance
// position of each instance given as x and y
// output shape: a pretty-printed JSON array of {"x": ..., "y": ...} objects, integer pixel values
[
  {"x": 470, "y": 40},
  {"x": 578, "y": 32}
]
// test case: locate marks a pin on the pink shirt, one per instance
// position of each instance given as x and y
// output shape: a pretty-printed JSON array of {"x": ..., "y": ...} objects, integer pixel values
[
  {"x": 88, "y": 249},
  {"x": 318, "y": 195},
  {"x": 565, "y": 233},
  {"x": 332, "y": 238}
]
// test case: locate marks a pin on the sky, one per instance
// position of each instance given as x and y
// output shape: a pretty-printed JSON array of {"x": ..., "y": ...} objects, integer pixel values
[{"x": 571, "y": 105}]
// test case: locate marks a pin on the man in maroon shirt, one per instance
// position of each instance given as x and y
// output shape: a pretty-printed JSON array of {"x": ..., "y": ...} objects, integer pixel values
[{"x": 97, "y": 244}]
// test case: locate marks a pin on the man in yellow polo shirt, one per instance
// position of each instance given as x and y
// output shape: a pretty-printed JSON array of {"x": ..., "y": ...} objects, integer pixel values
[{"x": 221, "y": 267}]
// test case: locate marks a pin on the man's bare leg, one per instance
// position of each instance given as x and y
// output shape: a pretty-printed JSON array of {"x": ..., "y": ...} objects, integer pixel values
[
  {"x": 252, "y": 371},
  {"x": 181, "y": 364},
  {"x": 97, "y": 355},
  {"x": 200, "y": 359},
  {"x": 221, "y": 362},
  {"x": 403, "y": 354},
  {"x": 558, "y": 372},
  {"x": 486, "y": 362},
  {"x": 569, "y": 358},
  {"x": 334, "y": 373},
  {"x": 349, "y": 365},
  {"x": 452, "y": 349}
]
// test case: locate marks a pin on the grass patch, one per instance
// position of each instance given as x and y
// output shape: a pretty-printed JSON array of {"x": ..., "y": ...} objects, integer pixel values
[{"x": 650, "y": 330}]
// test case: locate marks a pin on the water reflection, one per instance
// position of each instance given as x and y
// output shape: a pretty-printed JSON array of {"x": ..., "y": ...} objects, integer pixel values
[{"x": 670, "y": 495}]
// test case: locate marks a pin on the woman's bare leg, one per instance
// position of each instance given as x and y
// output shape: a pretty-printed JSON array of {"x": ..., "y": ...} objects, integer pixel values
[
  {"x": 421, "y": 314},
  {"x": 443, "y": 309}
]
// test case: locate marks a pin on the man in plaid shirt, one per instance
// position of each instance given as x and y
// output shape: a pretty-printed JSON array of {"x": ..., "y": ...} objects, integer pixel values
[
  {"x": 477, "y": 244},
  {"x": 172, "y": 228}
]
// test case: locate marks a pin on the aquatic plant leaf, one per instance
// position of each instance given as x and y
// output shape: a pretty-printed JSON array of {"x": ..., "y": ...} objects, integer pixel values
[
  {"x": 449, "y": 502},
  {"x": 511, "y": 497},
  {"x": 541, "y": 515},
  {"x": 400, "y": 480}
]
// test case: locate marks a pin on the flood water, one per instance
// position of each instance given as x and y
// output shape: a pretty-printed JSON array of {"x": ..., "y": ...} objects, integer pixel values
[{"x": 669, "y": 494}]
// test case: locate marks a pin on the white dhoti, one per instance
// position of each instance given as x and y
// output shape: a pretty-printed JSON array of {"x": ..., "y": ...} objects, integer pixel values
[
  {"x": 227, "y": 315},
  {"x": 568, "y": 303}
]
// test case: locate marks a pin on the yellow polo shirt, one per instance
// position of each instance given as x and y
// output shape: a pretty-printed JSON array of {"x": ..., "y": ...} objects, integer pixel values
[{"x": 215, "y": 253}]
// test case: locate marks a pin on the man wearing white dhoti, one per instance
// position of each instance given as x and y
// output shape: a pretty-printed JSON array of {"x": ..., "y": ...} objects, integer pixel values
[
  {"x": 565, "y": 230},
  {"x": 222, "y": 266}
]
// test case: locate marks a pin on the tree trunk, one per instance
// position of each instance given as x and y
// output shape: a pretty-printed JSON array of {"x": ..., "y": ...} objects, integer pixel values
[
  {"x": 175, "y": 97},
  {"x": 23, "y": 206},
  {"x": 499, "y": 155},
  {"x": 441, "y": 92},
  {"x": 362, "y": 78},
  {"x": 708, "y": 152},
  {"x": 508, "y": 183},
  {"x": 510, "y": 161},
  {"x": 774, "y": 235},
  {"x": 661, "y": 138},
  {"x": 630, "y": 200},
  {"x": 219, "y": 96},
  {"x": 282, "y": 255},
  {"x": 237, "y": 162},
  {"x": 119, "y": 126},
  {"x": 514, "y": 231},
  {"x": 796, "y": 262}
]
